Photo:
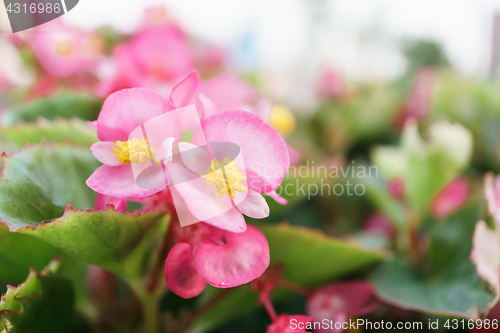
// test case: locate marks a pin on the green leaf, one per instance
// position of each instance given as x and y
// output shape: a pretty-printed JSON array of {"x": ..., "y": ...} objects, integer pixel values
[
  {"x": 310, "y": 259},
  {"x": 75, "y": 131},
  {"x": 39, "y": 182},
  {"x": 65, "y": 104},
  {"x": 119, "y": 242},
  {"x": 43, "y": 303},
  {"x": 19, "y": 253},
  {"x": 37, "y": 185},
  {"x": 449, "y": 285}
]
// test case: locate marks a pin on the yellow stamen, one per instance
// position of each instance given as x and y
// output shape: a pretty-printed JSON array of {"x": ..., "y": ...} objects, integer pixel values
[
  {"x": 64, "y": 48},
  {"x": 135, "y": 151},
  {"x": 226, "y": 176}
]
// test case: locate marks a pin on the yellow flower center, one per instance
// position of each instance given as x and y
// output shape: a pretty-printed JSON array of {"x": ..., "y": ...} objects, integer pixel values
[
  {"x": 135, "y": 151},
  {"x": 64, "y": 48},
  {"x": 226, "y": 176},
  {"x": 282, "y": 119}
]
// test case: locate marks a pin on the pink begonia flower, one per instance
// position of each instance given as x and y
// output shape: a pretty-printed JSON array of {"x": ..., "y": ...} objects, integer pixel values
[
  {"x": 331, "y": 85},
  {"x": 418, "y": 104},
  {"x": 266, "y": 162},
  {"x": 123, "y": 113},
  {"x": 221, "y": 258},
  {"x": 451, "y": 198},
  {"x": 289, "y": 324},
  {"x": 66, "y": 50},
  {"x": 378, "y": 223},
  {"x": 396, "y": 188},
  {"x": 340, "y": 301},
  {"x": 155, "y": 58},
  {"x": 492, "y": 195}
]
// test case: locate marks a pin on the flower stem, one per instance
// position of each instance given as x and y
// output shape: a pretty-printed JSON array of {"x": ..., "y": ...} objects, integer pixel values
[{"x": 149, "y": 305}]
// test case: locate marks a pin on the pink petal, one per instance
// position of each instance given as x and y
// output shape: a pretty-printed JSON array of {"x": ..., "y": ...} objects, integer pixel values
[
  {"x": 254, "y": 205},
  {"x": 264, "y": 150},
  {"x": 180, "y": 274},
  {"x": 92, "y": 124},
  {"x": 162, "y": 52},
  {"x": 202, "y": 200},
  {"x": 451, "y": 198},
  {"x": 278, "y": 198},
  {"x": 117, "y": 182},
  {"x": 196, "y": 159},
  {"x": 103, "y": 201},
  {"x": 127, "y": 109},
  {"x": 486, "y": 254},
  {"x": 186, "y": 92},
  {"x": 218, "y": 88},
  {"x": 209, "y": 108},
  {"x": 243, "y": 258},
  {"x": 103, "y": 153}
]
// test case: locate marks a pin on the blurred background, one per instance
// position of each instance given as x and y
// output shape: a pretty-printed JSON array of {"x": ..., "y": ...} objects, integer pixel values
[{"x": 289, "y": 42}]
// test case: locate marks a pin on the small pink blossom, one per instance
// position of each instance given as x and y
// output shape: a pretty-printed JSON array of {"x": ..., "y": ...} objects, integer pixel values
[
  {"x": 221, "y": 258},
  {"x": 340, "y": 301},
  {"x": 396, "y": 188},
  {"x": 67, "y": 50},
  {"x": 331, "y": 85},
  {"x": 451, "y": 198},
  {"x": 155, "y": 58},
  {"x": 379, "y": 224},
  {"x": 418, "y": 104}
]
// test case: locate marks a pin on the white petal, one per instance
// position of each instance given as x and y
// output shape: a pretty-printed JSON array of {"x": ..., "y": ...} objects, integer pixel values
[
  {"x": 194, "y": 158},
  {"x": 102, "y": 152},
  {"x": 164, "y": 151},
  {"x": 254, "y": 205}
]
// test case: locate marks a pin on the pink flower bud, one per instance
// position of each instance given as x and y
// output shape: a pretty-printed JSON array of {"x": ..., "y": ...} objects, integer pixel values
[{"x": 451, "y": 198}]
